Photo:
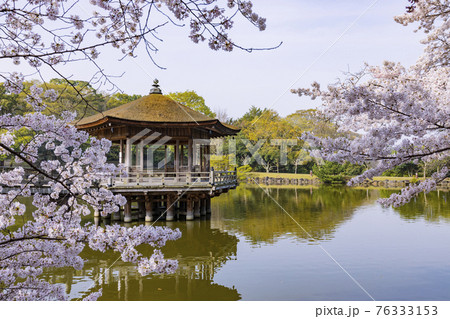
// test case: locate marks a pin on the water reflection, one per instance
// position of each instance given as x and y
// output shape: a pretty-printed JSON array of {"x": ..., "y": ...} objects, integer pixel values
[
  {"x": 374, "y": 244},
  {"x": 432, "y": 207},
  {"x": 254, "y": 212},
  {"x": 201, "y": 252}
]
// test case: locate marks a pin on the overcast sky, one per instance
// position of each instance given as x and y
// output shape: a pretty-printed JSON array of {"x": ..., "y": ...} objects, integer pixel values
[{"x": 308, "y": 28}]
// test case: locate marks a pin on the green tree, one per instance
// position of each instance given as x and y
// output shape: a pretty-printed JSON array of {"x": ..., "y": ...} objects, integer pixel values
[
  {"x": 312, "y": 121},
  {"x": 75, "y": 96},
  {"x": 407, "y": 169},
  {"x": 12, "y": 103},
  {"x": 433, "y": 166},
  {"x": 335, "y": 173},
  {"x": 268, "y": 126},
  {"x": 252, "y": 114},
  {"x": 302, "y": 161},
  {"x": 330, "y": 173},
  {"x": 118, "y": 99},
  {"x": 193, "y": 100}
]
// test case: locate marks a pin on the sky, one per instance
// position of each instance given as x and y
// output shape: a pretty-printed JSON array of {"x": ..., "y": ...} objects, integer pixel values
[{"x": 322, "y": 40}]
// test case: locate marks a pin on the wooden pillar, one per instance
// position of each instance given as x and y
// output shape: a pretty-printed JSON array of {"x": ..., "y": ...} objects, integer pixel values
[
  {"x": 190, "y": 155},
  {"x": 190, "y": 208},
  {"x": 161, "y": 202},
  {"x": 121, "y": 152},
  {"x": 182, "y": 205},
  {"x": 177, "y": 156},
  {"x": 196, "y": 208},
  {"x": 181, "y": 156},
  {"x": 165, "y": 158},
  {"x": 201, "y": 158},
  {"x": 203, "y": 206},
  {"x": 148, "y": 209},
  {"x": 208, "y": 157},
  {"x": 140, "y": 157},
  {"x": 128, "y": 158},
  {"x": 177, "y": 159},
  {"x": 208, "y": 204},
  {"x": 116, "y": 216},
  {"x": 141, "y": 207},
  {"x": 170, "y": 208},
  {"x": 127, "y": 211}
]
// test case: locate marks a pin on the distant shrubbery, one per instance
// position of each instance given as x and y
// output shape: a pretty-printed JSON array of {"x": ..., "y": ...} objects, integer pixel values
[
  {"x": 404, "y": 170},
  {"x": 335, "y": 173}
]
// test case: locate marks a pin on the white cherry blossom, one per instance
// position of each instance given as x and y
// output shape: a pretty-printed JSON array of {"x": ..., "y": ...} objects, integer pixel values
[{"x": 400, "y": 115}]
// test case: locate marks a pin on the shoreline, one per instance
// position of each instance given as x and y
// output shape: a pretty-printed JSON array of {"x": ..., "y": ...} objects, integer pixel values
[{"x": 306, "y": 179}]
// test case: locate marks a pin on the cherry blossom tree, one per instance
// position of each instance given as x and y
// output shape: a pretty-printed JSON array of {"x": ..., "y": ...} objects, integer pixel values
[
  {"x": 50, "y": 35},
  {"x": 402, "y": 114}
]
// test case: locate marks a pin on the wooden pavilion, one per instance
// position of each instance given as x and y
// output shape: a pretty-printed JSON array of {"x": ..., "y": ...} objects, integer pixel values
[{"x": 165, "y": 148}]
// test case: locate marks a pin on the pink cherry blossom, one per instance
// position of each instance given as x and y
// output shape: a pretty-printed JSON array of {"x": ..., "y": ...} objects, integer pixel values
[
  {"x": 400, "y": 115},
  {"x": 45, "y": 35}
]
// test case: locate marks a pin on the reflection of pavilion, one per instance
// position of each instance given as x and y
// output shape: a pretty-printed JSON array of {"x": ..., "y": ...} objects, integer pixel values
[{"x": 200, "y": 252}]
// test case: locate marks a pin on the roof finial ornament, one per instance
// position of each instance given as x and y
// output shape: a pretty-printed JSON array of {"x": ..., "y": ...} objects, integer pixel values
[{"x": 155, "y": 87}]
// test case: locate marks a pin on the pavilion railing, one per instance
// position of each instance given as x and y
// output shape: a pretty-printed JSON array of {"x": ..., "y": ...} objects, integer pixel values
[
  {"x": 223, "y": 177},
  {"x": 153, "y": 178}
]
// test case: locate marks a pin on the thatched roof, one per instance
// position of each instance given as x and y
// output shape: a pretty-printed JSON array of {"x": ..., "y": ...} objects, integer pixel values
[
  {"x": 150, "y": 108},
  {"x": 154, "y": 109}
]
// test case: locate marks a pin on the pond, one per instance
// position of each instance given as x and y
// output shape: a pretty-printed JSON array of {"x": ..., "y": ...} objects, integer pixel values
[{"x": 291, "y": 244}]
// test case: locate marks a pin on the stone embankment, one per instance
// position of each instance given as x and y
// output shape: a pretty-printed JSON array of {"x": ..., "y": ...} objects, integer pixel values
[
  {"x": 315, "y": 181},
  {"x": 399, "y": 183},
  {"x": 281, "y": 181}
]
